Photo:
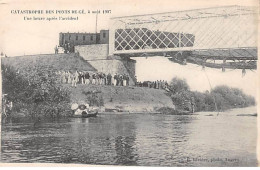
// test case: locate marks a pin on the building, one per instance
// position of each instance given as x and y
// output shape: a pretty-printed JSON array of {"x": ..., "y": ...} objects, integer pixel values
[{"x": 83, "y": 38}]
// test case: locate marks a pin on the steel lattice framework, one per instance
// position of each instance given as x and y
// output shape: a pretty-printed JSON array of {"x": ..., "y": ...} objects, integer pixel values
[{"x": 222, "y": 33}]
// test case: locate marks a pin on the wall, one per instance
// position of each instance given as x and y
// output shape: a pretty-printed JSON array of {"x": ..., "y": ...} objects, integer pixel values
[
  {"x": 84, "y": 38},
  {"x": 93, "y": 52},
  {"x": 104, "y": 37},
  {"x": 113, "y": 66},
  {"x": 72, "y": 38}
]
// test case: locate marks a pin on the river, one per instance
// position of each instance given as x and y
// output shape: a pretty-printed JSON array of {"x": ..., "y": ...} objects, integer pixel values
[{"x": 134, "y": 139}]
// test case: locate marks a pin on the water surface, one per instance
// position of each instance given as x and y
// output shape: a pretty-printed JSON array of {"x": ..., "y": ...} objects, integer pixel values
[{"x": 134, "y": 139}]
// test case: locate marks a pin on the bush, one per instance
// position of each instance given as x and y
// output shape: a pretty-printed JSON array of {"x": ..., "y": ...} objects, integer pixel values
[
  {"x": 94, "y": 98},
  {"x": 220, "y": 98},
  {"x": 35, "y": 91}
]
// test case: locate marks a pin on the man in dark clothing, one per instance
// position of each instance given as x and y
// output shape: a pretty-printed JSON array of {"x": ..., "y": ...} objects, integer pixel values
[
  {"x": 87, "y": 78},
  {"x": 80, "y": 77},
  {"x": 116, "y": 80},
  {"x": 109, "y": 78},
  {"x": 104, "y": 79},
  {"x": 127, "y": 80},
  {"x": 121, "y": 80}
]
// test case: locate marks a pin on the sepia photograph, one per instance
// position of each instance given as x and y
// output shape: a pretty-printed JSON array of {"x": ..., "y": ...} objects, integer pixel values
[{"x": 129, "y": 83}]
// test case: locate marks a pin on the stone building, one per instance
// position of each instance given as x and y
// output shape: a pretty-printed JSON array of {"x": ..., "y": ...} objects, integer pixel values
[{"x": 84, "y": 38}]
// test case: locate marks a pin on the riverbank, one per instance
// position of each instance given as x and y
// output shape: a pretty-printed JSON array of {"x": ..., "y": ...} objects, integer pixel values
[
  {"x": 123, "y": 99},
  {"x": 30, "y": 73},
  {"x": 34, "y": 88},
  {"x": 247, "y": 111}
]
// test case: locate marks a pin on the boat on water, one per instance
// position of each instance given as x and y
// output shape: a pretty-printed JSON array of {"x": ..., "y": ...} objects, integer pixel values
[
  {"x": 83, "y": 111},
  {"x": 86, "y": 115}
]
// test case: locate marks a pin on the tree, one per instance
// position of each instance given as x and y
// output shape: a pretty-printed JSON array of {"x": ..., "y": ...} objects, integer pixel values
[
  {"x": 35, "y": 92},
  {"x": 222, "y": 96},
  {"x": 178, "y": 85}
]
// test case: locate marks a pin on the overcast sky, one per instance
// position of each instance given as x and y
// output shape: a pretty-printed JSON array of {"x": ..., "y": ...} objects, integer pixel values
[{"x": 20, "y": 37}]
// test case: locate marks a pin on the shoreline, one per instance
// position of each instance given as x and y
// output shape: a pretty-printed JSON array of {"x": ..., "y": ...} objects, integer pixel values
[{"x": 180, "y": 113}]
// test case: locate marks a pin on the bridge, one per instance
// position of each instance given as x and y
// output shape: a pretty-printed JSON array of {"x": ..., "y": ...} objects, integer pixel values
[{"x": 220, "y": 37}]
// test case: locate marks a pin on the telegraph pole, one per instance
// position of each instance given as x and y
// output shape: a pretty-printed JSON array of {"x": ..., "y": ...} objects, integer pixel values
[{"x": 96, "y": 20}]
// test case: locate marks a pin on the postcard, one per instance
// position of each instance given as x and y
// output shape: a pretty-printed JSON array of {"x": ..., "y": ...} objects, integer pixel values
[{"x": 129, "y": 83}]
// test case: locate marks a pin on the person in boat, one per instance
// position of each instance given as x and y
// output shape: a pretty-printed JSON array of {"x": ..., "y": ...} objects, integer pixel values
[{"x": 80, "y": 109}]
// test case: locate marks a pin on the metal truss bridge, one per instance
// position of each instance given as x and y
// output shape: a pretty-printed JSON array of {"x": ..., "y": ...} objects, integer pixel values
[{"x": 220, "y": 37}]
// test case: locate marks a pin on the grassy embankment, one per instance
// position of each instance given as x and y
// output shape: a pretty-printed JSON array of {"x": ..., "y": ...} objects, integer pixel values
[
  {"x": 48, "y": 61},
  {"x": 132, "y": 99}
]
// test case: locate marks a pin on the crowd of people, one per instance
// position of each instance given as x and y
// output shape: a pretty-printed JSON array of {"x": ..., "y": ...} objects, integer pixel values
[
  {"x": 162, "y": 84},
  {"x": 98, "y": 78},
  {"x": 85, "y": 77},
  {"x": 65, "y": 48}
]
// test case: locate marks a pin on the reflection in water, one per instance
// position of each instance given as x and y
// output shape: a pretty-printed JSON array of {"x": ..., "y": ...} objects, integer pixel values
[
  {"x": 134, "y": 139},
  {"x": 124, "y": 144}
]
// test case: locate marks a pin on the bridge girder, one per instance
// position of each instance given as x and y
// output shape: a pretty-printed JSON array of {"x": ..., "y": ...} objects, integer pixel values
[{"x": 220, "y": 33}]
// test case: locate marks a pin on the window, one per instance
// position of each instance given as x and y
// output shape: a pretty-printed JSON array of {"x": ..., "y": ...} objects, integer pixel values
[
  {"x": 104, "y": 35},
  {"x": 91, "y": 37},
  {"x": 77, "y": 37},
  {"x": 84, "y": 38}
]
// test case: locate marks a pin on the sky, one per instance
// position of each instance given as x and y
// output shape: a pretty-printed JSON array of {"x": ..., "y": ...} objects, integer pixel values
[{"x": 23, "y": 37}]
